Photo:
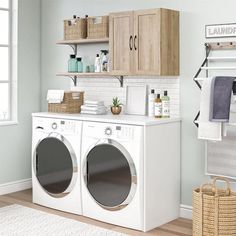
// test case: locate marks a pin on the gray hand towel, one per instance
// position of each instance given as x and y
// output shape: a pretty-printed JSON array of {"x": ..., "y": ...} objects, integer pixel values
[{"x": 221, "y": 91}]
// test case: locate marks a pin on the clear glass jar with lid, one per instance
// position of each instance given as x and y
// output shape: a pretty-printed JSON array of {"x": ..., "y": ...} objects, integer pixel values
[
  {"x": 80, "y": 64},
  {"x": 72, "y": 64}
]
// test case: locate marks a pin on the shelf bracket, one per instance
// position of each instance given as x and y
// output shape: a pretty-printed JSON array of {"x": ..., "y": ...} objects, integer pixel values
[
  {"x": 121, "y": 80},
  {"x": 74, "y": 79},
  {"x": 74, "y": 47}
]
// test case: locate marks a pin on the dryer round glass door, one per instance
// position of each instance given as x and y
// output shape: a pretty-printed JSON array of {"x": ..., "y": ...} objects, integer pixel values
[
  {"x": 110, "y": 175},
  {"x": 55, "y": 165}
]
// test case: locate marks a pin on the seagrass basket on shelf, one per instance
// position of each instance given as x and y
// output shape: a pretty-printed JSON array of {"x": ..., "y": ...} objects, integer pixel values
[
  {"x": 214, "y": 210},
  {"x": 71, "y": 103},
  {"x": 75, "y": 29},
  {"x": 98, "y": 27}
]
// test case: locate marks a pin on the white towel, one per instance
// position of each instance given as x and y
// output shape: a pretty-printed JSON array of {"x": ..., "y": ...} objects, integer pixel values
[
  {"x": 94, "y": 103},
  {"x": 208, "y": 130},
  {"x": 93, "y": 112},
  {"x": 55, "y": 96},
  {"x": 92, "y": 108}
]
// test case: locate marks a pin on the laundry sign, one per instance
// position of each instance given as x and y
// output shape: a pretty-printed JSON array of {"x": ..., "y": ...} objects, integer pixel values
[{"x": 220, "y": 30}]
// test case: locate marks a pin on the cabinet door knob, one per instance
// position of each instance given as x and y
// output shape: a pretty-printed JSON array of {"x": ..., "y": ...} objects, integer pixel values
[
  {"x": 135, "y": 39},
  {"x": 131, "y": 42}
]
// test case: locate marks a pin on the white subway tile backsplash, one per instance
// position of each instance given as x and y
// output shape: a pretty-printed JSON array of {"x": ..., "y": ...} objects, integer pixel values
[{"x": 107, "y": 88}]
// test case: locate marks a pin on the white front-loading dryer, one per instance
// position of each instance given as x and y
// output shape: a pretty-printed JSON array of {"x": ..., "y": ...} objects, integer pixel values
[
  {"x": 56, "y": 163},
  {"x": 112, "y": 176}
]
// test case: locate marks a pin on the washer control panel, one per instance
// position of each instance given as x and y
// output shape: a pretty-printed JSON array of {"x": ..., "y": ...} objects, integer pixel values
[{"x": 57, "y": 125}]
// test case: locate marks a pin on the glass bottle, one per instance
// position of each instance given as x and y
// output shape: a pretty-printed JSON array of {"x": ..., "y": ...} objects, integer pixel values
[
  {"x": 165, "y": 105},
  {"x": 158, "y": 107},
  {"x": 80, "y": 64},
  {"x": 72, "y": 64}
]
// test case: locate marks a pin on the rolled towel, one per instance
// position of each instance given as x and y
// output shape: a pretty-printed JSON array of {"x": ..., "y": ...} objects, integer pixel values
[
  {"x": 221, "y": 91},
  {"x": 208, "y": 130}
]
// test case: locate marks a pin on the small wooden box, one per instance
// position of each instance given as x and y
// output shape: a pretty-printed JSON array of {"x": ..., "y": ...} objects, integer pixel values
[
  {"x": 98, "y": 27},
  {"x": 75, "y": 29},
  {"x": 72, "y": 103}
]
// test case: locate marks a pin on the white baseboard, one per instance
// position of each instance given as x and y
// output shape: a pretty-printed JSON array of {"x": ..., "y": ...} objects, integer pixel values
[
  {"x": 15, "y": 186},
  {"x": 186, "y": 211}
]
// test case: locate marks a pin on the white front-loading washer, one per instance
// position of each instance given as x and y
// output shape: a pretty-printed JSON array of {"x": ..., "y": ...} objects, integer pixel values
[
  {"x": 112, "y": 176},
  {"x": 56, "y": 163}
]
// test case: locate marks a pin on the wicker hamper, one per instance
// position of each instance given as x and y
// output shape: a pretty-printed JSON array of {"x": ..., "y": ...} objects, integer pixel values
[
  {"x": 98, "y": 27},
  {"x": 72, "y": 103},
  {"x": 214, "y": 210},
  {"x": 75, "y": 29}
]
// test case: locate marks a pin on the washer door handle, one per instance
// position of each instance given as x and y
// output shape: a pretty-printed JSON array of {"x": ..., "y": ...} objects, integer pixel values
[{"x": 37, "y": 162}]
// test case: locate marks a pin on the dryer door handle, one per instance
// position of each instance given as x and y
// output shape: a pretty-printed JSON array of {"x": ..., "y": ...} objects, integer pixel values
[{"x": 39, "y": 127}]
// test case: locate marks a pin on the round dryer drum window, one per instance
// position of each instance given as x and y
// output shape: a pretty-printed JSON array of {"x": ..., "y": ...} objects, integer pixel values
[
  {"x": 109, "y": 175},
  {"x": 54, "y": 165}
]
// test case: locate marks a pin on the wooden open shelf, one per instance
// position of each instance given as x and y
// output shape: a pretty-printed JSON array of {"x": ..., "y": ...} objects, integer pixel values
[
  {"x": 90, "y": 74},
  {"x": 83, "y": 41},
  {"x": 75, "y": 76}
]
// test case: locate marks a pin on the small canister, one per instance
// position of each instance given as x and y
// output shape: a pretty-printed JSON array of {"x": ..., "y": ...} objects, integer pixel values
[
  {"x": 80, "y": 64},
  {"x": 72, "y": 64}
]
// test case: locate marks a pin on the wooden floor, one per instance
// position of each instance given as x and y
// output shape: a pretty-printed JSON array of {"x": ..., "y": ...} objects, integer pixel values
[{"x": 179, "y": 227}]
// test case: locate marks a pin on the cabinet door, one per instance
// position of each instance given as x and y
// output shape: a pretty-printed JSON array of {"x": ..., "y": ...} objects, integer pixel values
[
  {"x": 121, "y": 43},
  {"x": 147, "y": 41}
]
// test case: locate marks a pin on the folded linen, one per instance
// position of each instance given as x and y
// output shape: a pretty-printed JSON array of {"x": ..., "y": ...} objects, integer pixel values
[
  {"x": 221, "y": 91},
  {"x": 55, "y": 96},
  {"x": 208, "y": 130},
  {"x": 92, "y": 108},
  {"x": 94, "y": 103},
  {"x": 93, "y": 112}
]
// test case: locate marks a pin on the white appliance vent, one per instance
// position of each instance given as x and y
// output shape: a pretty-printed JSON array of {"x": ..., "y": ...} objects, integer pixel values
[{"x": 221, "y": 157}]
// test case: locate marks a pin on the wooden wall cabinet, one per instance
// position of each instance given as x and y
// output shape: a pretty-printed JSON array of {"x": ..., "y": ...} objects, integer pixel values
[{"x": 144, "y": 42}]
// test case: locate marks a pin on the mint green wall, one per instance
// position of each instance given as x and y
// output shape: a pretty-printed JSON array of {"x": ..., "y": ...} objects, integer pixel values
[
  {"x": 15, "y": 145},
  {"x": 15, "y": 141},
  {"x": 194, "y": 16}
]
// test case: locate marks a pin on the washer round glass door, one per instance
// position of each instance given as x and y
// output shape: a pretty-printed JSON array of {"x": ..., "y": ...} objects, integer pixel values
[
  {"x": 55, "y": 165},
  {"x": 110, "y": 175}
]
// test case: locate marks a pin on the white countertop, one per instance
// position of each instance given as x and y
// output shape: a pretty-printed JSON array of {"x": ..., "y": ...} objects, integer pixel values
[{"x": 109, "y": 118}]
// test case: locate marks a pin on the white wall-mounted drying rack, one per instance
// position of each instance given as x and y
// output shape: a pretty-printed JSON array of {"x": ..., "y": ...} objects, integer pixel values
[{"x": 204, "y": 66}]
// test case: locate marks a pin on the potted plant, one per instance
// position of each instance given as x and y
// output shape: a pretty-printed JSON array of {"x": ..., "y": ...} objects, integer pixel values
[{"x": 116, "y": 106}]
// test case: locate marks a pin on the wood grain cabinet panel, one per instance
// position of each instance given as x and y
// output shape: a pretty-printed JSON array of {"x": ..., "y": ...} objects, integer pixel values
[
  {"x": 147, "y": 41},
  {"x": 154, "y": 42},
  {"x": 121, "y": 43}
]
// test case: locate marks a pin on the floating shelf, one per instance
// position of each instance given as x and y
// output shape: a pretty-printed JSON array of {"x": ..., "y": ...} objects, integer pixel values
[
  {"x": 75, "y": 76},
  {"x": 83, "y": 41},
  {"x": 105, "y": 74}
]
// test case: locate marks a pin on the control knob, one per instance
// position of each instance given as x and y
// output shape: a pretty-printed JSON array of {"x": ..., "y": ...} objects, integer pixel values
[
  {"x": 54, "y": 125},
  {"x": 108, "y": 131}
]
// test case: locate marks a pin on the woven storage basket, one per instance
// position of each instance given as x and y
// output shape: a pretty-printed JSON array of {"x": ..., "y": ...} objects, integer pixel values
[
  {"x": 214, "y": 210},
  {"x": 98, "y": 27},
  {"x": 72, "y": 103},
  {"x": 75, "y": 29}
]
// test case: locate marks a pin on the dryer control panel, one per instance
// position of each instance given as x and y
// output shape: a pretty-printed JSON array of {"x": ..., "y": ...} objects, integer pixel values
[{"x": 106, "y": 130}]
